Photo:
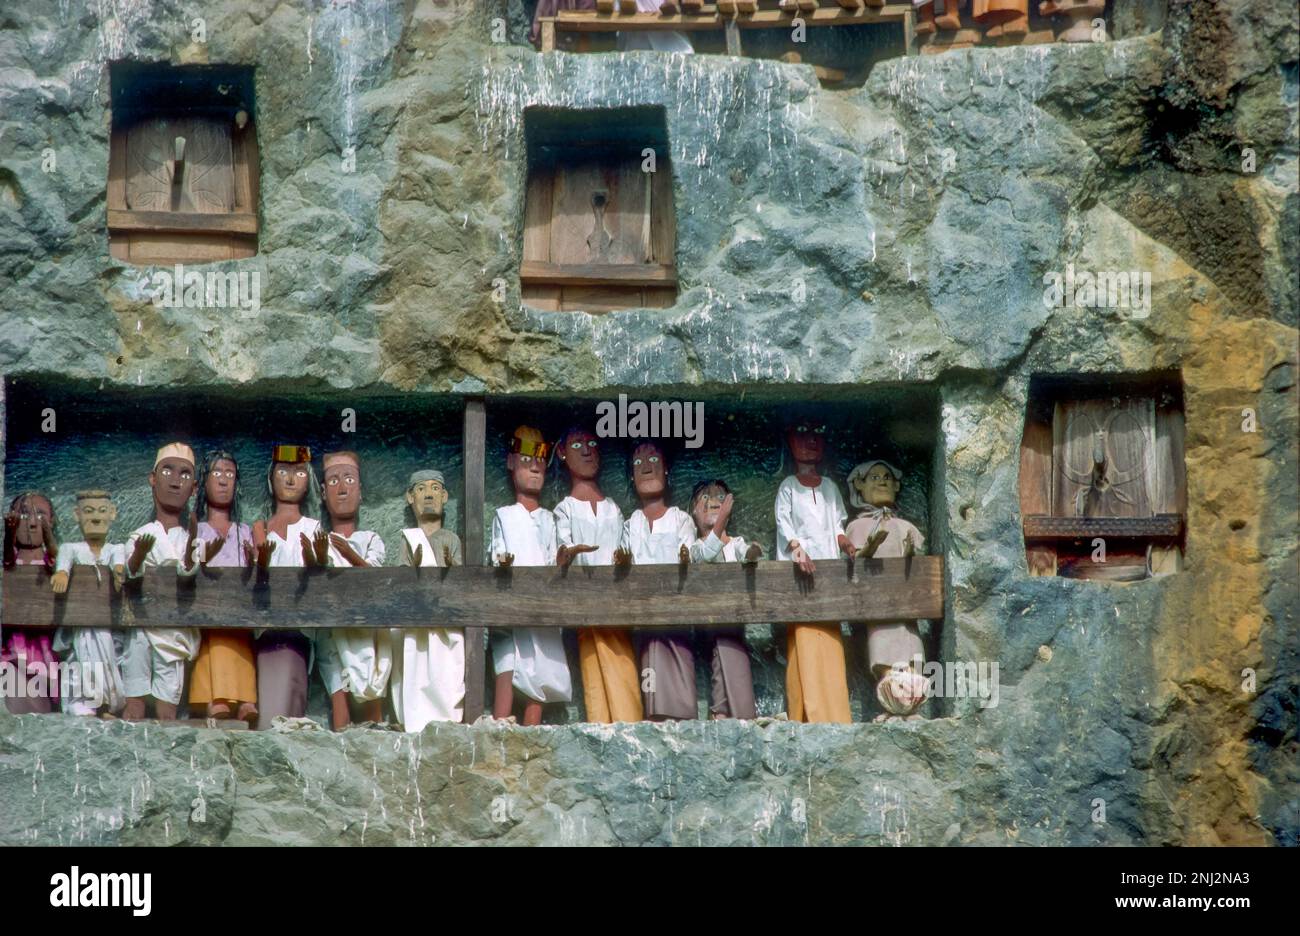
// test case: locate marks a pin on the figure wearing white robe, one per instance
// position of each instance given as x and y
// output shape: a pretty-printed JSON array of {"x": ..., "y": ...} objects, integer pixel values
[
  {"x": 97, "y": 647},
  {"x": 667, "y": 657},
  {"x": 357, "y": 660},
  {"x": 428, "y": 662},
  {"x": 285, "y": 658},
  {"x": 813, "y": 516},
  {"x": 154, "y": 658},
  {"x": 535, "y": 655}
]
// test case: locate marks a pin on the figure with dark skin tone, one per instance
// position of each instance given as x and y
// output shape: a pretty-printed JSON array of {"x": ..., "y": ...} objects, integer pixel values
[
  {"x": 153, "y": 661},
  {"x": 29, "y": 540}
]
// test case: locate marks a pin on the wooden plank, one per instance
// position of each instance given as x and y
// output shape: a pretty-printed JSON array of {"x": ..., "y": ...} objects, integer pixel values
[
  {"x": 733, "y": 38},
  {"x": 1036, "y": 485},
  {"x": 909, "y": 32},
  {"x": 474, "y": 448},
  {"x": 548, "y": 34},
  {"x": 652, "y": 596},
  {"x": 1161, "y": 526},
  {"x": 181, "y": 222},
  {"x": 578, "y": 274}
]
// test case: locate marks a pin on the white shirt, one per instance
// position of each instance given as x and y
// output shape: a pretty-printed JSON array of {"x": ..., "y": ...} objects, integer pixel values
[
  {"x": 811, "y": 516},
  {"x": 70, "y": 554},
  {"x": 368, "y": 544},
  {"x": 527, "y": 535},
  {"x": 575, "y": 524},
  {"x": 660, "y": 544}
]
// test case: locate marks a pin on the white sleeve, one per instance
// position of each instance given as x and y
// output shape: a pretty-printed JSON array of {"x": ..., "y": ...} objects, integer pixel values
[
  {"x": 64, "y": 561},
  {"x": 686, "y": 530},
  {"x": 563, "y": 525},
  {"x": 785, "y": 531},
  {"x": 127, "y": 550},
  {"x": 375, "y": 551},
  {"x": 625, "y": 539},
  {"x": 499, "y": 540},
  {"x": 841, "y": 515},
  {"x": 707, "y": 549}
]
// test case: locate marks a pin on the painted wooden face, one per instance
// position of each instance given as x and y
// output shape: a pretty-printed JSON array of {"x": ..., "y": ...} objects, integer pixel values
[
  {"x": 527, "y": 472},
  {"x": 581, "y": 455},
  {"x": 428, "y": 499},
  {"x": 290, "y": 482},
  {"x": 807, "y": 441},
  {"x": 172, "y": 481},
  {"x": 879, "y": 488},
  {"x": 95, "y": 515},
  {"x": 219, "y": 485},
  {"x": 649, "y": 471},
  {"x": 31, "y": 511},
  {"x": 342, "y": 490},
  {"x": 706, "y": 507}
]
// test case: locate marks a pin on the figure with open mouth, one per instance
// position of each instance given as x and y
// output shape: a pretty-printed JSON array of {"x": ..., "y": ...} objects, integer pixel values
[{"x": 810, "y": 519}]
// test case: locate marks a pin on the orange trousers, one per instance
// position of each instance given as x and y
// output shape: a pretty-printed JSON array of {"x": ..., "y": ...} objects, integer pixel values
[
  {"x": 225, "y": 668},
  {"x": 816, "y": 682},
  {"x": 610, "y": 683}
]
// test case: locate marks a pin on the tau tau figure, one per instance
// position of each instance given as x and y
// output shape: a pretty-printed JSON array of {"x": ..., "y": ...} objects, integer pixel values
[
  {"x": 29, "y": 540},
  {"x": 588, "y": 528},
  {"x": 895, "y": 653},
  {"x": 290, "y": 538},
  {"x": 527, "y": 660},
  {"x": 154, "y": 658},
  {"x": 810, "y": 519},
  {"x": 98, "y": 647},
  {"x": 731, "y": 692},
  {"x": 224, "y": 679},
  {"x": 658, "y": 534},
  {"x": 428, "y": 662},
  {"x": 355, "y": 663}
]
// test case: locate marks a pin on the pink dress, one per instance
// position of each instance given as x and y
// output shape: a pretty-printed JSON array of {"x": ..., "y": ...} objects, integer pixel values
[{"x": 34, "y": 645}]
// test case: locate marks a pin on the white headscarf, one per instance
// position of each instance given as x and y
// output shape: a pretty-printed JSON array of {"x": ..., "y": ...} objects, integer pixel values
[{"x": 860, "y": 474}]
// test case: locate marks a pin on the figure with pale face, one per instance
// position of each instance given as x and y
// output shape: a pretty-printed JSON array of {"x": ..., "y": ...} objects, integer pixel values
[
  {"x": 224, "y": 679},
  {"x": 97, "y": 647},
  {"x": 810, "y": 519},
  {"x": 732, "y": 685},
  {"x": 588, "y": 528},
  {"x": 529, "y": 661},
  {"x": 428, "y": 662},
  {"x": 291, "y": 538},
  {"x": 355, "y": 663},
  {"x": 659, "y": 534},
  {"x": 29, "y": 540},
  {"x": 894, "y": 650},
  {"x": 154, "y": 658}
]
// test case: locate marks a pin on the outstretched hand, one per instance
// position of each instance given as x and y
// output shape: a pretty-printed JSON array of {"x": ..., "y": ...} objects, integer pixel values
[
  {"x": 802, "y": 561},
  {"x": 622, "y": 557},
  {"x": 684, "y": 555},
  {"x": 873, "y": 543},
  {"x": 505, "y": 560},
  {"x": 564, "y": 556},
  {"x": 345, "y": 550}
]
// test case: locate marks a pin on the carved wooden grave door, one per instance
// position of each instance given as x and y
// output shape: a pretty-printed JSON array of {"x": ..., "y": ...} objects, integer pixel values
[
  {"x": 1102, "y": 487},
  {"x": 599, "y": 235}
]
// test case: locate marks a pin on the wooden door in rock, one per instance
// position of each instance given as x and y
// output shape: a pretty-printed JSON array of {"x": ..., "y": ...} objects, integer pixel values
[
  {"x": 183, "y": 189},
  {"x": 599, "y": 235},
  {"x": 1102, "y": 485}
]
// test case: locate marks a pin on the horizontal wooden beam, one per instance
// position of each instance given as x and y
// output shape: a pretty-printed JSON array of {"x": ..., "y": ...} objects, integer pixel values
[
  {"x": 657, "y": 596},
  {"x": 181, "y": 221},
  {"x": 709, "y": 19},
  {"x": 1161, "y": 526},
  {"x": 533, "y": 272}
]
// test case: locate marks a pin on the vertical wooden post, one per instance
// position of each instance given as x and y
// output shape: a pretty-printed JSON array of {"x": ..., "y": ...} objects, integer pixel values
[
  {"x": 909, "y": 32},
  {"x": 548, "y": 35},
  {"x": 733, "y": 38},
  {"x": 474, "y": 451}
]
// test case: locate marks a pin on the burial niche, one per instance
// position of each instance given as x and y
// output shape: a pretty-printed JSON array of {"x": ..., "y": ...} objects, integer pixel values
[
  {"x": 1103, "y": 486},
  {"x": 183, "y": 166},
  {"x": 599, "y": 229}
]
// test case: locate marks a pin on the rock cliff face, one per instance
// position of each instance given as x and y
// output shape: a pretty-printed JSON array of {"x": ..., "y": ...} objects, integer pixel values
[{"x": 843, "y": 245}]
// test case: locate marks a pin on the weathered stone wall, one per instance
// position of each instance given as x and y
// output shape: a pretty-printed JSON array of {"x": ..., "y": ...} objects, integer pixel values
[{"x": 920, "y": 212}]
